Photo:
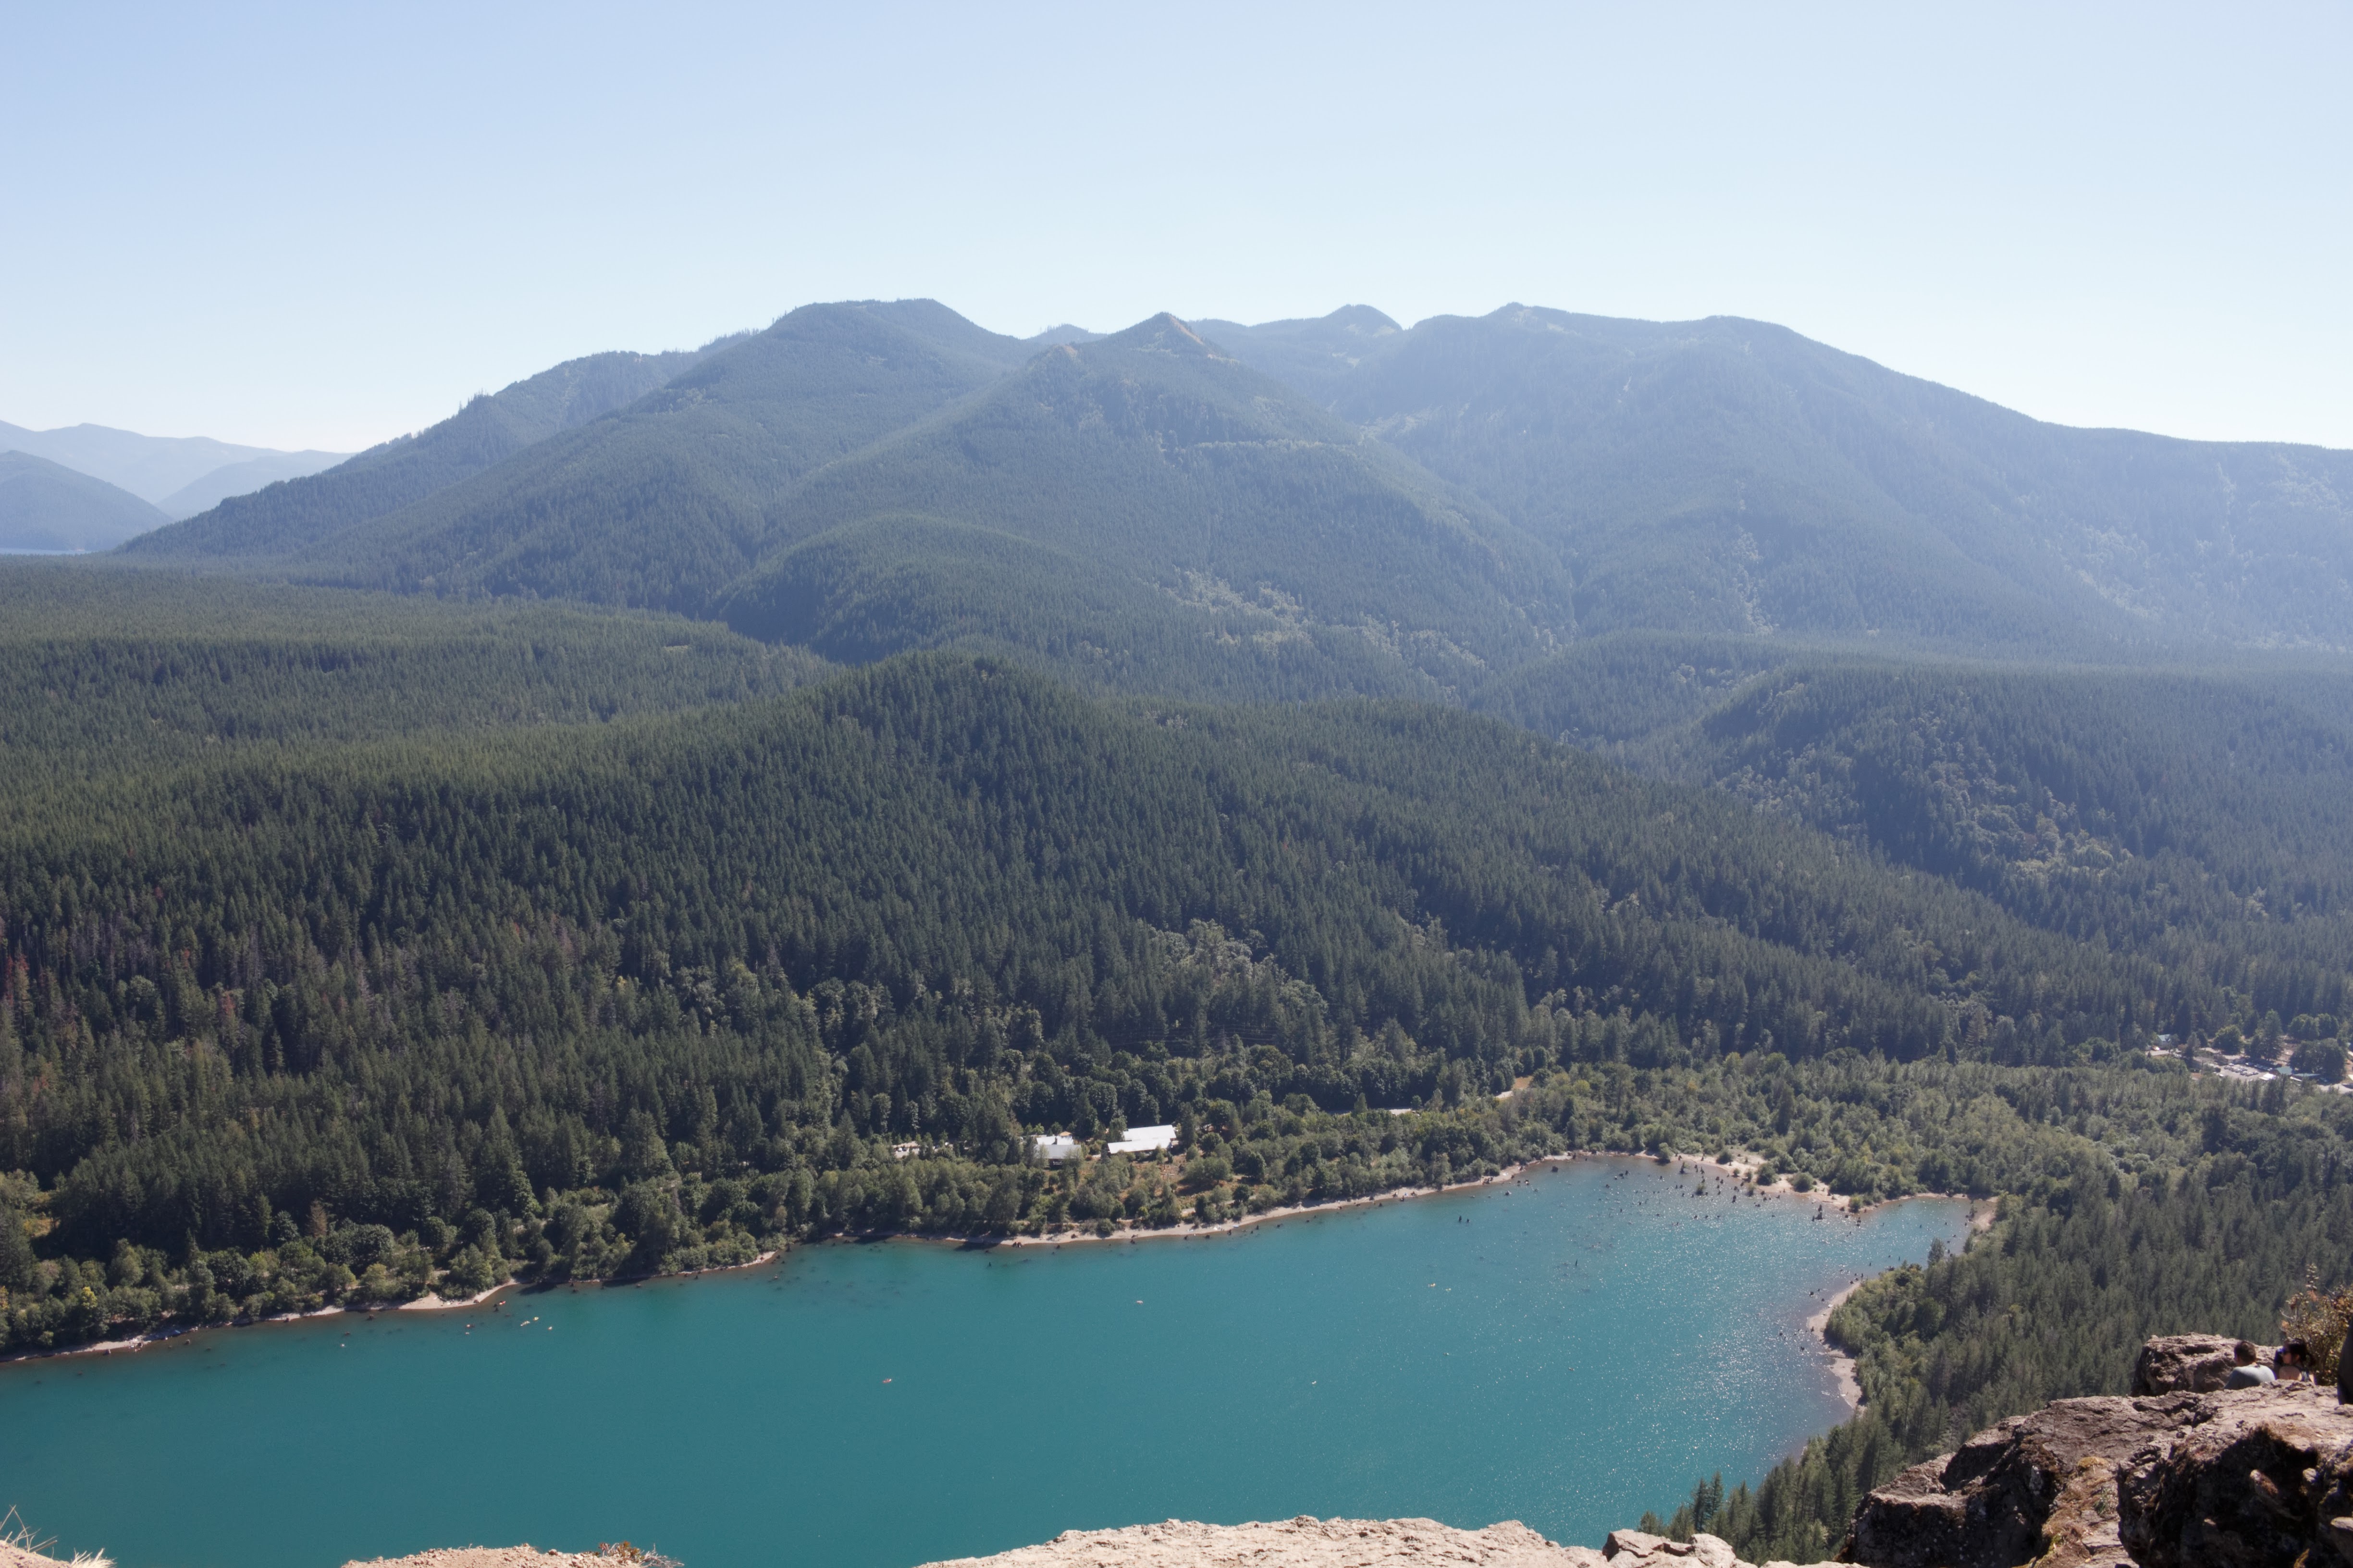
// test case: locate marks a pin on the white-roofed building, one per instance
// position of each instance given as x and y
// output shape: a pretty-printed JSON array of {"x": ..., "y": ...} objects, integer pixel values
[
  {"x": 1055, "y": 1147},
  {"x": 1144, "y": 1140}
]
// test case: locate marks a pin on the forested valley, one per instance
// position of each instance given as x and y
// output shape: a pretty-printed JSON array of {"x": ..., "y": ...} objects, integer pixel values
[{"x": 645, "y": 991}]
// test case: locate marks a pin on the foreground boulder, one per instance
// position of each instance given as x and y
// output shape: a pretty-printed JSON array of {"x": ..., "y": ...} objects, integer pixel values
[
  {"x": 2254, "y": 1478},
  {"x": 2187, "y": 1363},
  {"x": 2258, "y": 1476},
  {"x": 1986, "y": 1504}
]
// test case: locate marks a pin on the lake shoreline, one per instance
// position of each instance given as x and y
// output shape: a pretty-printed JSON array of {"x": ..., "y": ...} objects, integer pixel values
[
  {"x": 1408, "y": 1320},
  {"x": 426, "y": 1303},
  {"x": 1843, "y": 1365},
  {"x": 1132, "y": 1234},
  {"x": 1685, "y": 1165}
]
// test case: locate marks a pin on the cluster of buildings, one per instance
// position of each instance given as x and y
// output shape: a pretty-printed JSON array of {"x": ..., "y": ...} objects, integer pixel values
[{"x": 1054, "y": 1148}]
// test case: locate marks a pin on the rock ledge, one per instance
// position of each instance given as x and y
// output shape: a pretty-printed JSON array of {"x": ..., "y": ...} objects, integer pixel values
[{"x": 1307, "y": 1543}]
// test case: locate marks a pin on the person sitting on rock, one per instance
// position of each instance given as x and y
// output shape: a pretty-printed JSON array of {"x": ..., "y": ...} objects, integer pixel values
[
  {"x": 2250, "y": 1373},
  {"x": 2294, "y": 1363}
]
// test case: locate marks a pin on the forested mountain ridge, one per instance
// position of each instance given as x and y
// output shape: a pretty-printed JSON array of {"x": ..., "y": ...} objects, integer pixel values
[
  {"x": 2196, "y": 816},
  {"x": 1156, "y": 456},
  {"x": 1718, "y": 476},
  {"x": 1730, "y": 475},
  {"x": 493, "y": 426},
  {"x": 1198, "y": 528},
  {"x": 658, "y": 505},
  {"x": 1317, "y": 356}
]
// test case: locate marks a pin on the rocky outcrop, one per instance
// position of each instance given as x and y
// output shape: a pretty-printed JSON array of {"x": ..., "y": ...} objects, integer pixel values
[
  {"x": 2187, "y": 1363},
  {"x": 2258, "y": 1476},
  {"x": 1637, "y": 1548},
  {"x": 1986, "y": 1504},
  {"x": 620, "y": 1555},
  {"x": 2082, "y": 1531},
  {"x": 1301, "y": 1542},
  {"x": 2255, "y": 1477},
  {"x": 1307, "y": 1542}
]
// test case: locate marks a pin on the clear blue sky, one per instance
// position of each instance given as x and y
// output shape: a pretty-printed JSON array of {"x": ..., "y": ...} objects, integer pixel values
[{"x": 323, "y": 225}]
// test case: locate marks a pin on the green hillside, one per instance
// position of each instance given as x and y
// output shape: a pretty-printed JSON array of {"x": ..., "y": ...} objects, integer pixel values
[
  {"x": 983, "y": 870},
  {"x": 2198, "y": 817},
  {"x": 109, "y": 670},
  {"x": 282, "y": 518},
  {"x": 1156, "y": 456},
  {"x": 888, "y": 584},
  {"x": 662, "y": 503},
  {"x": 46, "y": 506},
  {"x": 1730, "y": 475},
  {"x": 1192, "y": 527},
  {"x": 1607, "y": 693}
]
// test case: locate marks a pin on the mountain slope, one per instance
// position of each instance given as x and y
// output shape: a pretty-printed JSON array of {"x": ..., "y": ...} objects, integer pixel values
[
  {"x": 1154, "y": 455},
  {"x": 1317, "y": 356},
  {"x": 660, "y": 503},
  {"x": 2194, "y": 816},
  {"x": 1730, "y": 475},
  {"x": 47, "y": 506},
  {"x": 242, "y": 479},
  {"x": 888, "y": 584},
  {"x": 383, "y": 478}
]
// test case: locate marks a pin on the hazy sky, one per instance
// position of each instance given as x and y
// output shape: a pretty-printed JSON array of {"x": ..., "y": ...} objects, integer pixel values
[{"x": 323, "y": 225}]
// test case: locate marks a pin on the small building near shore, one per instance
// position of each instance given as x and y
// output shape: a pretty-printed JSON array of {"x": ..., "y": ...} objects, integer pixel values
[{"x": 1145, "y": 1140}]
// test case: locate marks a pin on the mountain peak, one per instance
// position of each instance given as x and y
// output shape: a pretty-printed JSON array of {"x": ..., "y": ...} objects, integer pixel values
[
  {"x": 1163, "y": 334},
  {"x": 1364, "y": 321}
]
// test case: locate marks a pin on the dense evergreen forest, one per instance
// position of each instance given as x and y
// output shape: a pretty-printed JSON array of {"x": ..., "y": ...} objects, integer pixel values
[
  {"x": 448, "y": 985},
  {"x": 107, "y": 671}
]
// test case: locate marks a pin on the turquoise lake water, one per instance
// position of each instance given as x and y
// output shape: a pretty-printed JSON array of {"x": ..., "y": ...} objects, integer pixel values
[{"x": 1566, "y": 1351}]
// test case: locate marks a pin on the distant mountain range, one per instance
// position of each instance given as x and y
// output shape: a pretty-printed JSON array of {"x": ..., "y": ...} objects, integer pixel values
[
  {"x": 1297, "y": 507},
  {"x": 180, "y": 476},
  {"x": 46, "y": 506}
]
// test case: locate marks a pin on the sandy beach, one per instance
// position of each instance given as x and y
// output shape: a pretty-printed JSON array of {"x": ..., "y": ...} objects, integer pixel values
[{"x": 1841, "y": 1363}]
